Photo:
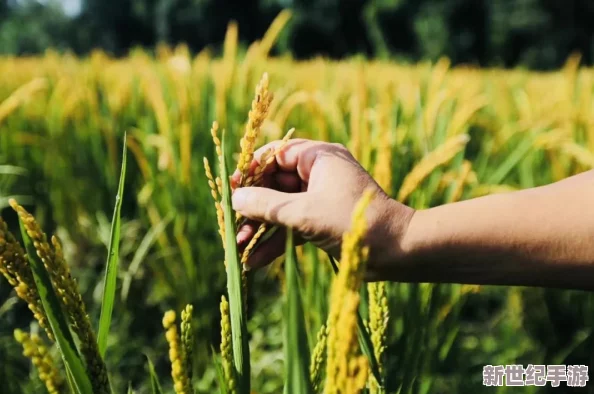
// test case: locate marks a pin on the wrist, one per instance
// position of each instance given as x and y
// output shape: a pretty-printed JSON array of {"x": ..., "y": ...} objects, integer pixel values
[{"x": 390, "y": 249}]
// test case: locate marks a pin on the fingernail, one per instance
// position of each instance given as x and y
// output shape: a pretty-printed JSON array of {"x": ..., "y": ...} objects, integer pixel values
[{"x": 238, "y": 199}]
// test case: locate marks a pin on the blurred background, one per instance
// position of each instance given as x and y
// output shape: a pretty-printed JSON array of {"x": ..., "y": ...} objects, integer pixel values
[
  {"x": 409, "y": 75},
  {"x": 533, "y": 33}
]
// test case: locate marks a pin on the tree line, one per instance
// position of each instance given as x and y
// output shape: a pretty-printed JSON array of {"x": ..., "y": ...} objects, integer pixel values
[{"x": 538, "y": 34}]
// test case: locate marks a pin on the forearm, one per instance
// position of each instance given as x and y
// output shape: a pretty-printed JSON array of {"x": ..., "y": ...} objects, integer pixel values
[{"x": 537, "y": 237}]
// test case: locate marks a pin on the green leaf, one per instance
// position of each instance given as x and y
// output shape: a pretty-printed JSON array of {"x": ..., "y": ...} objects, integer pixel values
[
  {"x": 239, "y": 339},
  {"x": 364, "y": 338},
  {"x": 12, "y": 170},
  {"x": 111, "y": 269},
  {"x": 220, "y": 375},
  {"x": 56, "y": 318},
  {"x": 70, "y": 381},
  {"x": 297, "y": 355},
  {"x": 511, "y": 161},
  {"x": 156, "y": 386}
]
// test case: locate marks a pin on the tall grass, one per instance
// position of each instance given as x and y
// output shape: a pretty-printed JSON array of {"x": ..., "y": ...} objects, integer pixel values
[{"x": 429, "y": 133}]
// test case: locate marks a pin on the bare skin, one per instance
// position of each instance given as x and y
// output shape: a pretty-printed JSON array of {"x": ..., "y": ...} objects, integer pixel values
[{"x": 540, "y": 237}]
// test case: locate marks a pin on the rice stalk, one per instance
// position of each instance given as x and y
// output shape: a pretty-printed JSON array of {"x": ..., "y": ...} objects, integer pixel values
[
  {"x": 67, "y": 290},
  {"x": 440, "y": 156},
  {"x": 226, "y": 348},
  {"x": 46, "y": 366},
  {"x": 177, "y": 357},
  {"x": 318, "y": 359},
  {"x": 257, "y": 114},
  {"x": 14, "y": 267},
  {"x": 347, "y": 369}
]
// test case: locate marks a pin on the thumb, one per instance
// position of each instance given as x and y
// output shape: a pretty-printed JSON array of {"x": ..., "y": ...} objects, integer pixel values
[{"x": 271, "y": 206}]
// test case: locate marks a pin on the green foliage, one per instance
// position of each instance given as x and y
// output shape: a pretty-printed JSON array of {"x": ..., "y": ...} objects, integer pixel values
[
  {"x": 58, "y": 321},
  {"x": 111, "y": 266},
  {"x": 239, "y": 335},
  {"x": 296, "y": 346},
  {"x": 155, "y": 385},
  {"x": 68, "y": 138},
  {"x": 363, "y": 336}
]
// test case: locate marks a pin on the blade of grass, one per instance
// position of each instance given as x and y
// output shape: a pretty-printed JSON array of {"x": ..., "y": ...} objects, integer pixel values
[
  {"x": 111, "y": 268},
  {"x": 7, "y": 305},
  {"x": 364, "y": 338},
  {"x": 241, "y": 350},
  {"x": 155, "y": 385},
  {"x": 56, "y": 318},
  {"x": 12, "y": 170},
  {"x": 70, "y": 381},
  {"x": 296, "y": 346},
  {"x": 511, "y": 160},
  {"x": 219, "y": 370}
]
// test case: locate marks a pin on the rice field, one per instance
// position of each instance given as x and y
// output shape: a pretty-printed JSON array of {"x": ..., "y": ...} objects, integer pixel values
[{"x": 176, "y": 307}]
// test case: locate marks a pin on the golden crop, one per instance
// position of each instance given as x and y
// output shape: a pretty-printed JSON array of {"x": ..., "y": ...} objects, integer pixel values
[{"x": 429, "y": 134}]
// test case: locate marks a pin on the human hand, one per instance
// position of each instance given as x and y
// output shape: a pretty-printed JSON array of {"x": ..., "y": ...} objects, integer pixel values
[{"x": 312, "y": 187}]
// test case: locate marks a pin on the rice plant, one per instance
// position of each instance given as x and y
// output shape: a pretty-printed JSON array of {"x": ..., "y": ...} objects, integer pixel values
[{"x": 429, "y": 134}]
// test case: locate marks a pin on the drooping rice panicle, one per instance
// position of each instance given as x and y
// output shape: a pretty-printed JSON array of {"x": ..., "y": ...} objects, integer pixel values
[
  {"x": 217, "y": 196},
  {"x": 15, "y": 268},
  {"x": 217, "y": 142},
  {"x": 461, "y": 181},
  {"x": 252, "y": 243},
  {"x": 211, "y": 180},
  {"x": 181, "y": 380},
  {"x": 226, "y": 349},
  {"x": 259, "y": 111},
  {"x": 382, "y": 169},
  {"x": 20, "y": 96},
  {"x": 441, "y": 155},
  {"x": 379, "y": 315},
  {"x": 37, "y": 351},
  {"x": 67, "y": 290},
  {"x": 219, "y": 184},
  {"x": 267, "y": 158},
  {"x": 318, "y": 359},
  {"x": 347, "y": 369},
  {"x": 187, "y": 338}
]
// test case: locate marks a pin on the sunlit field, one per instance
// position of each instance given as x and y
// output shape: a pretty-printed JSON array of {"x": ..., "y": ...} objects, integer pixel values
[{"x": 429, "y": 133}]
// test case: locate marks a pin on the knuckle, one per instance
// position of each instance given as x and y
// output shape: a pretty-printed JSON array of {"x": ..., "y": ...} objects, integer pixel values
[
  {"x": 341, "y": 150},
  {"x": 260, "y": 205},
  {"x": 265, "y": 207},
  {"x": 339, "y": 146}
]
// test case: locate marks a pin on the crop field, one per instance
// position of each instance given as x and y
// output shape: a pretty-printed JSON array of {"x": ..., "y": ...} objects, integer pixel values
[{"x": 141, "y": 292}]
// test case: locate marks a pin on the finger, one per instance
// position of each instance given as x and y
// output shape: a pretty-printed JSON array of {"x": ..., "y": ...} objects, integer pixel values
[
  {"x": 271, "y": 206},
  {"x": 245, "y": 233},
  {"x": 236, "y": 176},
  {"x": 234, "y": 182},
  {"x": 298, "y": 155},
  {"x": 287, "y": 182}
]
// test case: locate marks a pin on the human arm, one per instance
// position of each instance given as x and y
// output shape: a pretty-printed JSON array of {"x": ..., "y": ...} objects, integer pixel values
[
  {"x": 542, "y": 237},
  {"x": 537, "y": 237}
]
